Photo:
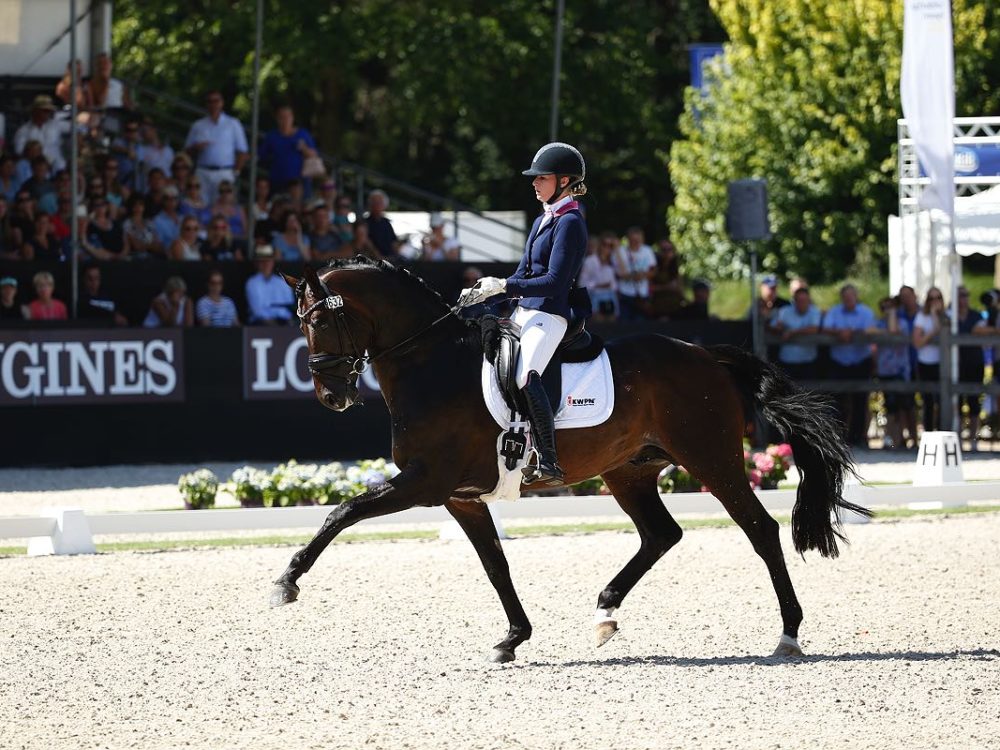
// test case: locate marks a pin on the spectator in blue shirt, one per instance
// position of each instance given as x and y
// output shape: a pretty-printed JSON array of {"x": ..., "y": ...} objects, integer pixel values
[
  {"x": 269, "y": 299},
  {"x": 285, "y": 148},
  {"x": 167, "y": 223},
  {"x": 801, "y": 318},
  {"x": 893, "y": 365},
  {"x": 851, "y": 361}
]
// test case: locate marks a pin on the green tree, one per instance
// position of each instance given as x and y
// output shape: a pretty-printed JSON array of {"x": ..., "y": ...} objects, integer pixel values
[
  {"x": 452, "y": 96},
  {"x": 807, "y": 97}
]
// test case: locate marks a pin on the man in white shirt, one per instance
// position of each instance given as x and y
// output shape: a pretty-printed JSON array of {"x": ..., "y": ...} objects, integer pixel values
[
  {"x": 635, "y": 263},
  {"x": 42, "y": 127},
  {"x": 218, "y": 144}
]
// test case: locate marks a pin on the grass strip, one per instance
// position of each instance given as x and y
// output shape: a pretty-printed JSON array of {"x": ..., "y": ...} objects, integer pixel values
[{"x": 517, "y": 531}]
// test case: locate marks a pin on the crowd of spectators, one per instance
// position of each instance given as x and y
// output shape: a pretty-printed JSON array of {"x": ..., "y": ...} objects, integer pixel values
[
  {"x": 855, "y": 352},
  {"x": 628, "y": 280},
  {"x": 140, "y": 200}
]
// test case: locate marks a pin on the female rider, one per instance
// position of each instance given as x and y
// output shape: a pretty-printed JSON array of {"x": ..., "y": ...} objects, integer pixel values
[{"x": 542, "y": 284}]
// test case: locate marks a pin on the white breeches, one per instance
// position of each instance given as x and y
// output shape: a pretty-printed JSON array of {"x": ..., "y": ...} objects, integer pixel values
[{"x": 541, "y": 334}]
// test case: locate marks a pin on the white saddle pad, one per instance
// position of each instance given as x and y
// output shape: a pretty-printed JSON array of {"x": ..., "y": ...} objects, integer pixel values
[{"x": 588, "y": 394}]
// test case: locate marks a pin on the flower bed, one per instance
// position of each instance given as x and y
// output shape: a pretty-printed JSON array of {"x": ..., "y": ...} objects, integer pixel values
[{"x": 292, "y": 483}]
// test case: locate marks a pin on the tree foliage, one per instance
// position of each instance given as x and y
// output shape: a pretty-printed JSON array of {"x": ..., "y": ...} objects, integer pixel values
[
  {"x": 807, "y": 97},
  {"x": 451, "y": 95}
]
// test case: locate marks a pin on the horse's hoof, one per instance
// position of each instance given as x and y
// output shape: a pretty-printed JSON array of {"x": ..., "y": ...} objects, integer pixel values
[
  {"x": 604, "y": 632},
  {"x": 502, "y": 655},
  {"x": 284, "y": 593},
  {"x": 787, "y": 647}
]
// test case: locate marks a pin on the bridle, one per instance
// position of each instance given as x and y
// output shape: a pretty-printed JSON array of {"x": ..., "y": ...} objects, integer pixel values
[{"x": 357, "y": 360}]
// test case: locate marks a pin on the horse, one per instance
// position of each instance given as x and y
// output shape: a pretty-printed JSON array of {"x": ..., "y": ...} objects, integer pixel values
[{"x": 675, "y": 403}]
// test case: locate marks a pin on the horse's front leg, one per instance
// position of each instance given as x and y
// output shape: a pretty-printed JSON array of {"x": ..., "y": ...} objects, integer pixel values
[
  {"x": 411, "y": 487},
  {"x": 475, "y": 520}
]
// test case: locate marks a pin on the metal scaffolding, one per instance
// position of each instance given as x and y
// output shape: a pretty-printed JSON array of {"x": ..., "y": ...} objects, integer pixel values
[{"x": 969, "y": 131}]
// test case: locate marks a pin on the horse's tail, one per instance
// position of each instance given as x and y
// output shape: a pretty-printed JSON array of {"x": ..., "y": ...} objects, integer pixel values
[{"x": 810, "y": 425}]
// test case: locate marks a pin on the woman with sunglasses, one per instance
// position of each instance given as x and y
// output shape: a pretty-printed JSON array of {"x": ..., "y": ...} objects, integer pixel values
[
  {"x": 227, "y": 207},
  {"x": 193, "y": 204},
  {"x": 187, "y": 246},
  {"x": 926, "y": 327}
]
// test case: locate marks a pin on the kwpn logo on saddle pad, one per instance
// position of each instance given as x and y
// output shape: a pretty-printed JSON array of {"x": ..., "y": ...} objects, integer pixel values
[{"x": 570, "y": 401}]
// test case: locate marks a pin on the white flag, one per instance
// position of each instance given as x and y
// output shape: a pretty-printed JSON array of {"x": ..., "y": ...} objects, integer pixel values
[{"x": 927, "y": 86}]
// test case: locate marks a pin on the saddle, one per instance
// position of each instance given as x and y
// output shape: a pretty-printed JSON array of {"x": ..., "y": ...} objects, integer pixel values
[
  {"x": 501, "y": 339},
  {"x": 501, "y": 347}
]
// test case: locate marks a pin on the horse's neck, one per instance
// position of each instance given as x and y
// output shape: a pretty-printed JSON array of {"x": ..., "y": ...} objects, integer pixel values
[{"x": 436, "y": 365}]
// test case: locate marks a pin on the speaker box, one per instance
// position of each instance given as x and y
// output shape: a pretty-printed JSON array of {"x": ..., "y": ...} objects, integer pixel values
[{"x": 746, "y": 216}]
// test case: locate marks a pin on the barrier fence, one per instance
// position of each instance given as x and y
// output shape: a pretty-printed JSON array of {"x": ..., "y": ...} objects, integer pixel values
[
  {"x": 946, "y": 386},
  {"x": 71, "y": 531}
]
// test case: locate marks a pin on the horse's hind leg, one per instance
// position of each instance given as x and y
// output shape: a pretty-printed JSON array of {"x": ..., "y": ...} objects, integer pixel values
[
  {"x": 635, "y": 490},
  {"x": 476, "y": 522},
  {"x": 745, "y": 509}
]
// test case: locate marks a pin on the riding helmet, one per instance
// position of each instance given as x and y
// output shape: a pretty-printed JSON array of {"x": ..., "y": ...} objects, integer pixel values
[{"x": 558, "y": 159}]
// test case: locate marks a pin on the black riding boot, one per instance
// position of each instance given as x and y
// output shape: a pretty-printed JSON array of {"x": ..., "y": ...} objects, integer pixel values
[{"x": 539, "y": 411}]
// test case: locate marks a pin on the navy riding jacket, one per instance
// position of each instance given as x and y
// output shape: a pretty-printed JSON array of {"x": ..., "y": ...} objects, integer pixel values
[{"x": 553, "y": 257}]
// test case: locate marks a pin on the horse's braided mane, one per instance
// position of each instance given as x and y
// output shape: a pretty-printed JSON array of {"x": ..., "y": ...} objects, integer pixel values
[{"x": 363, "y": 262}]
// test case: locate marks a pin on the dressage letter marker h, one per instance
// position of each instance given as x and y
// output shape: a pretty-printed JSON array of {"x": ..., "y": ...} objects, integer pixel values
[{"x": 939, "y": 460}]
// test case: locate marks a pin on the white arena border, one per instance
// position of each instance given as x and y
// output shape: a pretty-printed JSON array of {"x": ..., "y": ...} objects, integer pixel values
[{"x": 70, "y": 530}]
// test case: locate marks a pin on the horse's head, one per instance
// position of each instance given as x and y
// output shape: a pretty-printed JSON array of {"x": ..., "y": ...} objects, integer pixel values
[{"x": 338, "y": 332}]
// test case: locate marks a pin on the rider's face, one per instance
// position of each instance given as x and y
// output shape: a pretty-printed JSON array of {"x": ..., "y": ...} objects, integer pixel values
[{"x": 545, "y": 186}]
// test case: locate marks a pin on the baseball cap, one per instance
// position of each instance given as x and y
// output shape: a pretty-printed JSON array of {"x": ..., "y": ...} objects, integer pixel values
[
  {"x": 770, "y": 280},
  {"x": 8, "y": 281},
  {"x": 316, "y": 204},
  {"x": 437, "y": 220},
  {"x": 263, "y": 252},
  {"x": 700, "y": 284},
  {"x": 171, "y": 191}
]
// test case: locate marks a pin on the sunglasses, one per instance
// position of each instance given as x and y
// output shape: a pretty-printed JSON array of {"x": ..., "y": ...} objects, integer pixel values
[
  {"x": 180, "y": 167},
  {"x": 194, "y": 185},
  {"x": 190, "y": 228},
  {"x": 225, "y": 190}
]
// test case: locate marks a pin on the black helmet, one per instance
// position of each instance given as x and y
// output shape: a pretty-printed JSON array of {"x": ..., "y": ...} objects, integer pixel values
[{"x": 558, "y": 159}]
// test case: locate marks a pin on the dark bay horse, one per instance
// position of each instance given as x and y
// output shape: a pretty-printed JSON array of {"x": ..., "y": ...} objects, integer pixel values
[{"x": 675, "y": 403}]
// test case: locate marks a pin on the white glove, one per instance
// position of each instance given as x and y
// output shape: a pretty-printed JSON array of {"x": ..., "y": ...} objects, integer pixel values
[{"x": 485, "y": 289}]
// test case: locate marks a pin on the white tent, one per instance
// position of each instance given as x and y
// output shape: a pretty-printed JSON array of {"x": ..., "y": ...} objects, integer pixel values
[{"x": 919, "y": 244}]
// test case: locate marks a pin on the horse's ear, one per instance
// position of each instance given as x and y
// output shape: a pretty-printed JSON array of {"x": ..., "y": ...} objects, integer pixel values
[
  {"x": 312, "y": 279},
  {"x": 291, "y": 281}
]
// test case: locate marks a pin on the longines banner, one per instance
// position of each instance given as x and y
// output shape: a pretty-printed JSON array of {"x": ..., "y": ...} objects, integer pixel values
[
  {"x": 274, "y": 366},
  {"x": 90, "y": 367}
]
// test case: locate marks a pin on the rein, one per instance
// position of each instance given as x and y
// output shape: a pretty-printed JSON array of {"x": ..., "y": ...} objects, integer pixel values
[{"x": 359, "y": 362}]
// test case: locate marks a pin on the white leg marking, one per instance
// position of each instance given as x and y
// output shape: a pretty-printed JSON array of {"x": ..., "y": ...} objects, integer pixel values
[
  {"x": 605, "y": 615},
  {"x": 787, "y": 640}
]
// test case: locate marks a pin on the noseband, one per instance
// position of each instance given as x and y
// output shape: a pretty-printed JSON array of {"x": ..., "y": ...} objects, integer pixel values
[{"x": 325, "y": 364}]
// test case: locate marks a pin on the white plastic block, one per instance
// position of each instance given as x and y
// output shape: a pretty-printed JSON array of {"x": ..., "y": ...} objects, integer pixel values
[
  {"x": 939, "y": 460},
  {"x": 71, "y": 535}
]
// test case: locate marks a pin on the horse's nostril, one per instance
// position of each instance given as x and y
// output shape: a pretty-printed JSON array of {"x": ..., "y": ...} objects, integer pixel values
[{"x": 329, "y": 399}]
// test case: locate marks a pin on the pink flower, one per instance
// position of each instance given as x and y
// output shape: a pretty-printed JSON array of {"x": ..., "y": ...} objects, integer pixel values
[
  {"x": 784, "y": 450},
  {"x": 755, "y": 478},
  {"x": 764, "y": 462},
  {"x": 746, "y": 455}
]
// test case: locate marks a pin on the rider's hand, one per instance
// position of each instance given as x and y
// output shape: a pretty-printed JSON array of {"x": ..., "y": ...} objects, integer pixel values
[{"x": 486, "y": 288}]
